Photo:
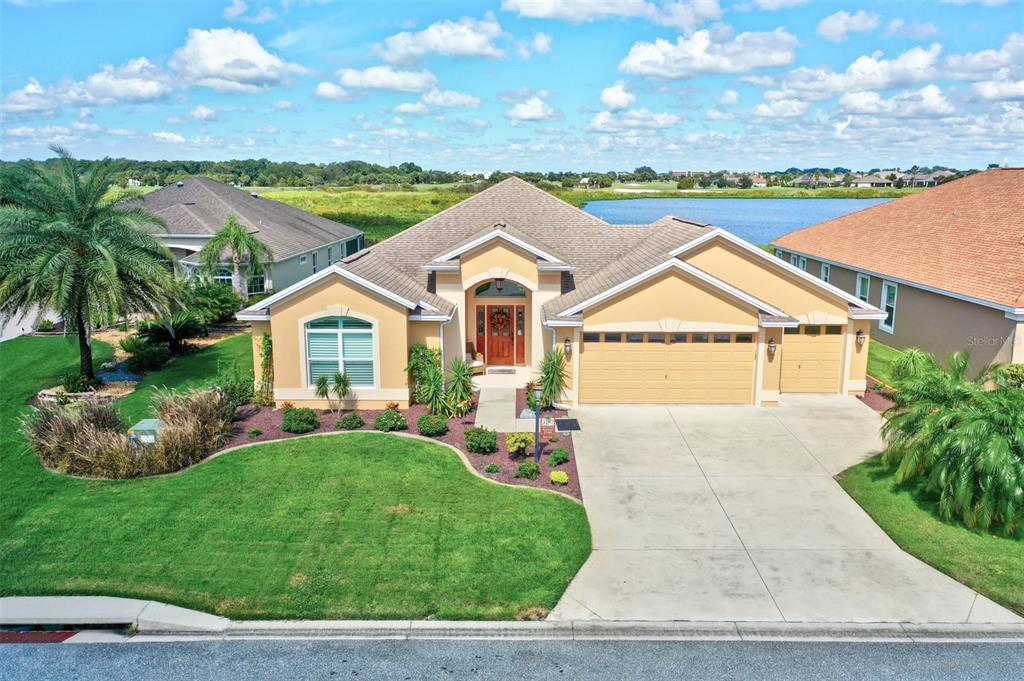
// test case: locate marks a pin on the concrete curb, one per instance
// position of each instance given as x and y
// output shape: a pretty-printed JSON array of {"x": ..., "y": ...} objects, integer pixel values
[{"x": 161, "y": 622}]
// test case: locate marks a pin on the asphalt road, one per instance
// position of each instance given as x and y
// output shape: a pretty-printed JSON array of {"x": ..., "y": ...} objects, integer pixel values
[{"x": 511, "y": 660}]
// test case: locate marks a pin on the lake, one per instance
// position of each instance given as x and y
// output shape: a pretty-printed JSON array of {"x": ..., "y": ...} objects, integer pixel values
[{"x": 759, "y": 221}]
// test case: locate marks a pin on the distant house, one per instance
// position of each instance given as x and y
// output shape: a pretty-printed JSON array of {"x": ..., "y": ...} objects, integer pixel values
[
  {"x": 872, "y": 181},
  {"x": 758, "y": 181},
  {"x": 584, "y": 183},
  {"x": 300, "y": 243},
  {"x": 947, "y": 265},
  {"x": 806, "y": 180},
  {"x": 927, "y": 179},
  {"x": 132, "y": 182}
]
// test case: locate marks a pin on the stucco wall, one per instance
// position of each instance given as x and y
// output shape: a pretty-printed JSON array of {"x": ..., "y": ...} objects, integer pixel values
[
  {"x": 933, "y": 322},
  {"x": 771, "y": 367}
]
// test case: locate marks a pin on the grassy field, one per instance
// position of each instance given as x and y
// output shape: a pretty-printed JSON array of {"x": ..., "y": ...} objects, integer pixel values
[
  {"x": 880, "y": 357},
  {"x": 352, "y": 526},
  {"x": 991, "y": 564},
  {"x": 188, "y": 371}
]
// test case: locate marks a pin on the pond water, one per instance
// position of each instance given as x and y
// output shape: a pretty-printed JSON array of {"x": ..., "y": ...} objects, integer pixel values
[{"x": 759, "y": 221}]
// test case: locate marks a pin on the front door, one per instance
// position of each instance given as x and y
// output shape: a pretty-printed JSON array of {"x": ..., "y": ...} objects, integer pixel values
[{"x": 500, "y": 341}]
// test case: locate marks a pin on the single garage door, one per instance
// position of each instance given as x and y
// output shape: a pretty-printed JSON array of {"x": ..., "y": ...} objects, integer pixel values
[
  {"x": 668, "y": 368},
  {"x": 812, "y": 359}
]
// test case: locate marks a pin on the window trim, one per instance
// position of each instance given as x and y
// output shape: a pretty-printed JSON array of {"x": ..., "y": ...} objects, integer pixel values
[
  {"x": 340, "y": 332},
  {"x": 890, "y": 328},
  {"x": 224, "y": 276},
  {"x": 794, "y": 260},
  {"x": 803, "y": 263},
  {"x": 314, "y": 261},
  {"x": 826, "y": 272},
  {"x": 867, "y": 289}
]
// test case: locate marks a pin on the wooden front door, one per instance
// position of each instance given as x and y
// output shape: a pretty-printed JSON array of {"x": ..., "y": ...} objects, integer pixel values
[{"x": 500, "y": 340}]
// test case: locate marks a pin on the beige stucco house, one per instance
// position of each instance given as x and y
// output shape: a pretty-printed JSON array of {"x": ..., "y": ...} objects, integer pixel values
[
  {"x": 671, "y": 312},
  {"x": 946, "y": 265}
]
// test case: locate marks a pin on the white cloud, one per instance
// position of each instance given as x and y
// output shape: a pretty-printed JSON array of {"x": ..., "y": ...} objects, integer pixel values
[
  {"x": 772, "y": 5},
  {"x": 1002, "y": 87},
  {"x": 987, "y": 3},
  {"x": 413, "y": 108},
  {"x": 983, "y": 64},
  {"x": 387, "y": 78},
  {"x": 677, "y": 13},
  {"x": 915, "y": 30},
  {"x": 450, "y": 99},
  {"x": 466, "y": 37},
  {"x": 236, "y": 11},
  {"x": 719, "y": 115},
  {"x": 203, "y": 113},
  {"x": 267, "y": 130},
  {"x": 617, "y": 96},
  {"x": 837, "y": 27},
  {"x": 531, "y": 109},
  {"x": 781, "y": 108},
  {"x": 325, "y": 90},
  {"x": 700, "y": 54},
  {"x": 229, "y": 60},
  {"x": 32, "y": 98},
  {"x": 612, "y": 122},
  {"x": 284, "y": 105},
  {"x": 729, "y": 97},
  {"x": 165, "y": 136},
  {"x": 928, "y": 102},
  {"x": 541, "y": 43},
  {"x": 760, "y": 81}
]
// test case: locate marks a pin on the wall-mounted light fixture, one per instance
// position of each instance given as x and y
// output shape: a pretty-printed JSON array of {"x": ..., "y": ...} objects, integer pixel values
[
  {"x": 861, "y": 338},
  {"x": 567, "y": 345},
  {"x": 772, "y": 347},
  {"x": 499, "y": 284}
]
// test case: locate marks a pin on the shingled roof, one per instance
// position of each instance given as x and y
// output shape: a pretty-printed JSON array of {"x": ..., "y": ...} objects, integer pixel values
[
  {"x": 200, "y": 206},
  {"x": 965, "y": 237}
]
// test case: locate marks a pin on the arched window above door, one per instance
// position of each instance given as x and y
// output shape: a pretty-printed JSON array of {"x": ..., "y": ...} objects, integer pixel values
[{"x": 508, "y": 289}]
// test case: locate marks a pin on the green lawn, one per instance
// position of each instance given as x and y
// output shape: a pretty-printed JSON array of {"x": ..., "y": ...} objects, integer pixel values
[
  {"x": 991, "y": 564},
  {"x": 350, "y": 526},
  {"x": 880, "y": 357},
  {"x": 188, "y": 371}
]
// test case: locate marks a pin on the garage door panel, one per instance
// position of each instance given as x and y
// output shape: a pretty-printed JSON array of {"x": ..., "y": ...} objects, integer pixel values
[
  {"x": 811, "y": 362},
  {"x": 696, "y": 373}
]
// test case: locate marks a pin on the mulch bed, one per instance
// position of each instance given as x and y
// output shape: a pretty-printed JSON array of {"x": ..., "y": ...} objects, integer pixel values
[
  {"x": 521, "y": 405},
  {"x": 875, "y": 399},
  {"x": 268, "y": 420}
]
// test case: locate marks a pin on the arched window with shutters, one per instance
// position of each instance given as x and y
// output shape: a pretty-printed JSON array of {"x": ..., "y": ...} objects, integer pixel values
[{"x": 340, "y": 345}]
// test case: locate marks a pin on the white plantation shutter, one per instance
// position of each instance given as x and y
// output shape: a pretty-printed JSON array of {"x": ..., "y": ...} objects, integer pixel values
[{"x": 336, "y": 344}]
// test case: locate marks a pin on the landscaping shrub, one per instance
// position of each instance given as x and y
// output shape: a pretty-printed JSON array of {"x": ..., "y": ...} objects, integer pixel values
[
  {"x": 45, "y": 325},
  {"x": 172, "y": 331},
  {"x": 460, "y": 388},
  {"x": 391, "y": 406},
  {"x": 432, "y": 425},
  {"x": 1013, "y": 375},
  {"x": 389, "y": 420},
  {"x": 492, "y": 468},
  {"x": 77, "y": 383},
  {"x": 132, "y": 344},
  {"x": 553, "y": 377},
  {"x": 558, "y": 457},
  {"x": 210, "y": 301},
  {"x": 481, "y": 440},
  {"x": 91, "y": 439},
  {"x": 299, "y": 420},
  {"x": 559, "y": 477},
  {"x": 519, "y": 444},
  {"x": 149, "y": 358},
  {"x": 237, "y": 386},
  {"x": 350, "y": 421},
  {"x": 528, "y": 469},
  {"x": 254, "y": 433},
  {"x": 421, "y": 358},
  {"x": 430, "y": 389}
]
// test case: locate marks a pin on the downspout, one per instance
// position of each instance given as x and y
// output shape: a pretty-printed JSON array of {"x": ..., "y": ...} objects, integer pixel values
[{"x": 440, "y": 335}]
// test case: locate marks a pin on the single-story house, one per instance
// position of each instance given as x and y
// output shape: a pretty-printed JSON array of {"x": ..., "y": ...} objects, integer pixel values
[
  {"x": 872, "y": 181},
  {"x": 758, "y": 181},
  {"x": 300, "y": 243},
  {"x": 946, "y": 265},
  {"x": 670, "y": 312}
]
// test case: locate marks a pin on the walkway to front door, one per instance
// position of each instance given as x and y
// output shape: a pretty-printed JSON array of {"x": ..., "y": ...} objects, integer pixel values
[{"x": 731, "y": 514}]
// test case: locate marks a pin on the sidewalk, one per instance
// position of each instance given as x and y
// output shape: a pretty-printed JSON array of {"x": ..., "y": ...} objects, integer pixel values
[{"x": 160, "y": 622}]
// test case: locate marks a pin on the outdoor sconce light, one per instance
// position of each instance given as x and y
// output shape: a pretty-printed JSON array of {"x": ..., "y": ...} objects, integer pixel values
[
  {"x": 861, "y": 338},
  {"x": 568, "y": 348},
  {"x": 772, "y": 346},
  {"x": 499, "y": 284}
]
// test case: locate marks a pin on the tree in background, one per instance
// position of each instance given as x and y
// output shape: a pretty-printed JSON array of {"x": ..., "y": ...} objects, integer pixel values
[
  {"x": 236, "y": 243},
  {"x": 65, "y": 245}
]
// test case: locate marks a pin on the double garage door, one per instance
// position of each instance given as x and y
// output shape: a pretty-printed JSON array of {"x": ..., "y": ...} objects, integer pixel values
[{"x": 671, "y": 368}]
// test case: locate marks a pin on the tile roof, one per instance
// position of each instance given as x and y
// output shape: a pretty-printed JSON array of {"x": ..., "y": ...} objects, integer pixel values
[
  {"x": 200, "y": 206},
  {"x": 964, "y": 236}
]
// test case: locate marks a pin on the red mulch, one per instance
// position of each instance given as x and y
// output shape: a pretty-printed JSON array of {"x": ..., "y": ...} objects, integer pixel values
[
  {"x": 35, "y": 636},
  {"x": 268, "y": 420},
  {"x": 875, "y": 399},
  {"x": 521, "y": 405}
]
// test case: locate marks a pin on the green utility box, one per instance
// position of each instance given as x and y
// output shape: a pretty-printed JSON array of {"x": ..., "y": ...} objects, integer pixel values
[{"x": 144, "y": 432}]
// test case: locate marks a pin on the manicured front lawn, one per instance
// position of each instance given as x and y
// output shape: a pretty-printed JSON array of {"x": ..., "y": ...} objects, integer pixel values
[
  {"x": 349, "y": 526},
  {"x": 991, "y": 564},
  {"x": 188, "y": 371},
  {"x": 880, "y": 357}
]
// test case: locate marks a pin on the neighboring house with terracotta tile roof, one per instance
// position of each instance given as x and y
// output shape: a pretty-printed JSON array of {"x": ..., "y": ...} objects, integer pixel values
[
  {"x": 674, "y": 311},
  {"x": 946, "y": 264},
  {"x": 300, "y": 243}
]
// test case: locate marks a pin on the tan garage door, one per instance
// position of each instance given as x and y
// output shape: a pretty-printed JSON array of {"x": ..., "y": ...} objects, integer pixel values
[
  {"x": 812, "y": 359},
  {"x": 675, "y": 368}
]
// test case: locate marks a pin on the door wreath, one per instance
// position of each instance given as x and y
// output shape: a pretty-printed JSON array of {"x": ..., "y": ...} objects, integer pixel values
[{"x": 499, "y": 319}]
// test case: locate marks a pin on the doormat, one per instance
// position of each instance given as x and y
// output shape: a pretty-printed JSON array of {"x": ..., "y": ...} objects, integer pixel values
[
  {"x": 566, "y": 425},
  {"x": 500, "y": 371}
]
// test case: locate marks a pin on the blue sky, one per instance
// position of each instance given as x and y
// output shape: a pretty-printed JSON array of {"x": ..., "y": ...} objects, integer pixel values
[{"x": 519, "y": 84}]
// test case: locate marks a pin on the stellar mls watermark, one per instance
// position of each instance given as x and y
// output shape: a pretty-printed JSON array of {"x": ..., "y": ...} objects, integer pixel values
[{"x": 986, "y": 341}]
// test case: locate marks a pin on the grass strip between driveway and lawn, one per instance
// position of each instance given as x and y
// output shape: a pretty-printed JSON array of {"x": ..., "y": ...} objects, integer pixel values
[
  {"x": 880, "y": 359},
  {"x": 353, "y": 526},
  {"x": 988, "y": 563}
]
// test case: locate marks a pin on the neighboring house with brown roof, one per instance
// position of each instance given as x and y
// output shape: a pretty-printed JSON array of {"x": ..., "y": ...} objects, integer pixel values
[
  {"x": 300, "y": 243},
  {"x": 946, "y": 264},
  {"x": 674, "y": 311}
]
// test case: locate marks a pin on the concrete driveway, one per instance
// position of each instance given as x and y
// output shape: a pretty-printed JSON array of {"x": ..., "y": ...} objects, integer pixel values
[{"x": 732, "y": 513}]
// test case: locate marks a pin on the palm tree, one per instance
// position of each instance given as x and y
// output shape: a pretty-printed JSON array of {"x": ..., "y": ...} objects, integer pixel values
[
  {"x": 236, "y": 242},
  {"x": 66, "y": 246}
]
